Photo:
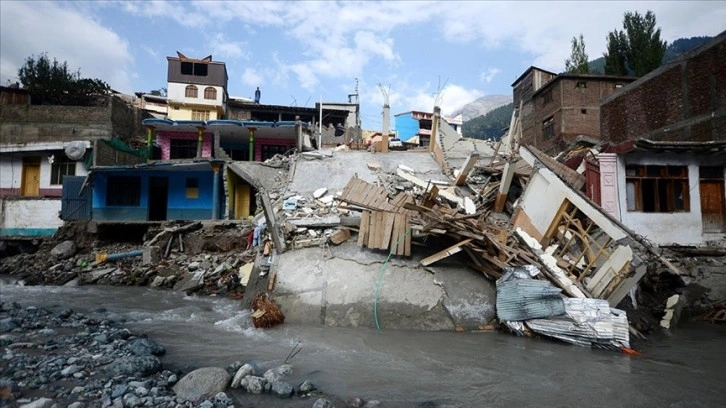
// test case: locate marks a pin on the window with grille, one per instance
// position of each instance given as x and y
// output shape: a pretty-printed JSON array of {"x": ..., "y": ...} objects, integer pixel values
[
  {"x": 200, "y": 114},
  {"x": 191, "y": 91},
  {"x": 657, "y": 188},
  {"x": 210, "y": 93},
  {"x": 123, "y": 191},
  {"x": 59, "y": 169},
  {"x": 182, "y": 149}
]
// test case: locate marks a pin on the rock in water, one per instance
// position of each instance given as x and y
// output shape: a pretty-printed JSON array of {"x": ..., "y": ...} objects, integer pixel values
[
  {"x": 322, "y": 403},
  {"x": 254, "y": 385},
  {"x": 243, "y": 372},
  {"x": 202, "y": 383},
  {"x": 281, "y": 389},
  {"x": 64, "y": 250},
  {"x": 142, "y": 365},
  {"x": 144, "y": 347},
  {"x": 275, "y": 374}
]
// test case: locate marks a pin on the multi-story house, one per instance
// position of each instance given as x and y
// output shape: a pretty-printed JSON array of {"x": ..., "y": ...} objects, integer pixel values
[{"x": 554, "y": 109}]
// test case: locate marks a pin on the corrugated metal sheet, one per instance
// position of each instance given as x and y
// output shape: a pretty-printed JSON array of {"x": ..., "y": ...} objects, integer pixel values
[
  {"x": 588, "y": 323},
  {"x": 76, "y": 200},
  {"x": 519, "y": 297}
]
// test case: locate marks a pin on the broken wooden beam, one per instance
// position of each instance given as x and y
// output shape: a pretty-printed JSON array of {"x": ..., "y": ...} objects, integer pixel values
[{"x": 454, "y": 249}]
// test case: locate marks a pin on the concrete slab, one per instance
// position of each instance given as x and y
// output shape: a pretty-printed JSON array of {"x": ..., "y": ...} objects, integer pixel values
[
  {"x": 340, "y": 290},
  {"x": 335, "y": 172}
]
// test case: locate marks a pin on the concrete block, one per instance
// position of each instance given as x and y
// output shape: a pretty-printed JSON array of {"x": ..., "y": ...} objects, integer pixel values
[{"x": 151, "y": 255}]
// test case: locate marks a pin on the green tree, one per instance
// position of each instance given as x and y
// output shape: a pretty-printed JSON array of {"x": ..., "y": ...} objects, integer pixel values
[
  {"x": 637, "y": 49},
  {"x": 577, "y": 63},
  {"x": 490, "y": 126},
  {"x": 51, "y": 82}
]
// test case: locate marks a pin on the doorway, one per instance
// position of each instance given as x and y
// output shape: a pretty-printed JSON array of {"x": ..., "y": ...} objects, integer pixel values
[
  {"x": 30, "y": 186},
  {"x": 713, "y": 208},
  {"x": 242, "y": 198},
  {"x": 158, "y": 198}
]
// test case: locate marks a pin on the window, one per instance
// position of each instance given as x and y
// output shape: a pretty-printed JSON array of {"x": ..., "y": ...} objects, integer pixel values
[
  {"x": 200, "y": 114},
  {"x": 124, "y": 191},
  {"x": 618, "y": 86},
  {"x": 182, "y": 149},
  {"x": 192, "y": 188},
  {"x": 548, "y": 128},
  {"x": 61, "y": 168},
  {"x": 191, "y": 91},
  {"x": 547, "y": 97},
  {"x": 200, "y": 69},
  {"x": 583, "y": 111},
  {"x": 187, "y": 68},
  {"x": 581, "y": 84},
  {"x": 210, "y": 93},
  {"x": 657, "y": 188},
  {"x": 194, "y": 68},
  {"x": 270, "y": 150}
]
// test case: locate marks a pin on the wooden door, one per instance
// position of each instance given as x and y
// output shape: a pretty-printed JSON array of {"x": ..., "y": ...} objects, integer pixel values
[
  {"x": 712, "y": 205},
  {"x": 31, "y": 179},
  {"x": 241, "y": 201}
]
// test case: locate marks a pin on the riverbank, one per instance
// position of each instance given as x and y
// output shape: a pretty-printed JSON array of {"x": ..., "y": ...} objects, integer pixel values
[
  {"x": 75, "y": 360},
  {"x": 405, "y": 368}
]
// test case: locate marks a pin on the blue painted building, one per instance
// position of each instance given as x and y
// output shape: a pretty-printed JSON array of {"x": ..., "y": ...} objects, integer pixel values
[{"x": 158, "y": 192}]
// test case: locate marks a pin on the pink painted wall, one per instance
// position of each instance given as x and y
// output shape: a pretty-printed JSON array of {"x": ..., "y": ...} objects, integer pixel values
[{"x": 164, "y": 139}]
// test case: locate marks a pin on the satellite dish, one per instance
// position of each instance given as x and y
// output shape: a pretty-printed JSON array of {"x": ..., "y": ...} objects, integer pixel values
[{"x": 75, "y": 150}]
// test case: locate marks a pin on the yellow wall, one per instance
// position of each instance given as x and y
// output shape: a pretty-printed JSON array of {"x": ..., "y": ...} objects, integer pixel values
[{"x": 185, "y": 112}]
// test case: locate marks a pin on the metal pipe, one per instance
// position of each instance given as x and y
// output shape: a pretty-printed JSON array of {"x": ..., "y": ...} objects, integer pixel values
[{"x": 119, "y": 255}]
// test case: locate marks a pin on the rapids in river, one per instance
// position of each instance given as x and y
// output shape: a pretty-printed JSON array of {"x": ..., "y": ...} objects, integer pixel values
[{"x": 685, "y": 368}]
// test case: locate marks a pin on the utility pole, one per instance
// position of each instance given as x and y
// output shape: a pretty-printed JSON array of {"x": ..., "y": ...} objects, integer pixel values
[{"x": 386, "y": 120}]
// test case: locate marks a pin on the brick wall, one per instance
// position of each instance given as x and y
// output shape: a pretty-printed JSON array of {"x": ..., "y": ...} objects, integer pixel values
[
  {"x": 105, "y": 155},
  {"x": 685, "y": 100}
]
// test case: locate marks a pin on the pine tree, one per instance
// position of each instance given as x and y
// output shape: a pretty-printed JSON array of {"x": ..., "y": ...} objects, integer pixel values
[{"x": 577, "y": 63}]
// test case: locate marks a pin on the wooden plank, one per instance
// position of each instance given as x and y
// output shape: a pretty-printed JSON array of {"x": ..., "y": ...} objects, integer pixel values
[
  {"x": 454, "y": 249},
  {"x": 407, "y": 245},
  {"x": 371, "y": 230},
  {"x": 415, "y": 180},
  {"x": 429, "y": 198},
  {"x": 362, "y": 234},
  {"x": 388, "y": 230}
]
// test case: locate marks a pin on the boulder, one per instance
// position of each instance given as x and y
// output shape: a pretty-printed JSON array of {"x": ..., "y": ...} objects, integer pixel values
[
  {"x": 281, "y": 389},
  {"x": 275, "y": 374},
  {"x": 202, "y": 383},
  {"x": 253, "y": 384},
  {"x": 64, "y": 250},
  {"x": 243, "y": 372},
  {"x": 145, "y": 347},
  {"x": 39, "y": 403},
  {"x": 7, "y": 324},
  {"x": 138, "y": 365},
  {"x": 322, "y": 403},
  {"x": 306, "y": 386}
]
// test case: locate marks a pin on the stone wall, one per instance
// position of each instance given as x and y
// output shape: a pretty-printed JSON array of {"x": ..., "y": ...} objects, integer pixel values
[
  {"x": 684, "y": 100},
  {"x": 43, "y": 123}
]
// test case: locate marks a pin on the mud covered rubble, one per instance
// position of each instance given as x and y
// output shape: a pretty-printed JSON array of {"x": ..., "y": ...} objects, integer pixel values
[{"x": 214, "y": 253}]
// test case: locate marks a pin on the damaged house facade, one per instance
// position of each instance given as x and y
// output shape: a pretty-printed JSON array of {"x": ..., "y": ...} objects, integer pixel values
[
  {"x": 661, "y": 169},
  {"x": 192, "y": 165},
  {"x": 554, "y": 109},
  {"x": 44, "y": 146}
]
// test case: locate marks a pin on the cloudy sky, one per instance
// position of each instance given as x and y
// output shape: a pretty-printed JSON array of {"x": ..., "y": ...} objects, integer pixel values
[{"x": 298, "y": 52}]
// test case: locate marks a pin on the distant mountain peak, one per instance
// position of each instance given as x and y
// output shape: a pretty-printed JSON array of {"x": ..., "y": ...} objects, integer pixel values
[{"x": 482, "y": 106}]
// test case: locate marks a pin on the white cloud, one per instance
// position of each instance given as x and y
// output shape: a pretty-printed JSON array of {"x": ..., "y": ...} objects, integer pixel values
[
  {"x": 252, "y": 78},
  {"x": 224, "y": 49},
  {"x": 488, "y": 75},
  {"x": 175, "y": 10},
  {"x": 32, "y": 28},
  {"x": 451, "y": 98},
  {"x": 152, "y": 52}
]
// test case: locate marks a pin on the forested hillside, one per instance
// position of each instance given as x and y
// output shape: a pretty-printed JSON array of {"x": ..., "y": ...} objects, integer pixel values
[{"x": 490, "y": 126}]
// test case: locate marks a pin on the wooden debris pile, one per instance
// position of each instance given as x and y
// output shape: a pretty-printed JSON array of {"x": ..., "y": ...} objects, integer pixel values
[{"x": 394, "y": 224}]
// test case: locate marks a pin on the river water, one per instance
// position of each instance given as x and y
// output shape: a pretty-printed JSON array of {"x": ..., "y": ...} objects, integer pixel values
[{"x": 409, "y": 369}]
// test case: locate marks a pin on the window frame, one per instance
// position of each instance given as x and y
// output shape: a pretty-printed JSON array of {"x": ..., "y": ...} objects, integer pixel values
[
  {"x": 548, "y": 128},
  {"x": 191, "y": 91},
  {"x": 210, "y": 93},
  {"x": 642, "y": 181},
  {"x": 61, "y": 168},
  {"x": 179, "y": 146},
  {"x": 123, "y": 191},
  {"x": 200, "y": 114}
]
